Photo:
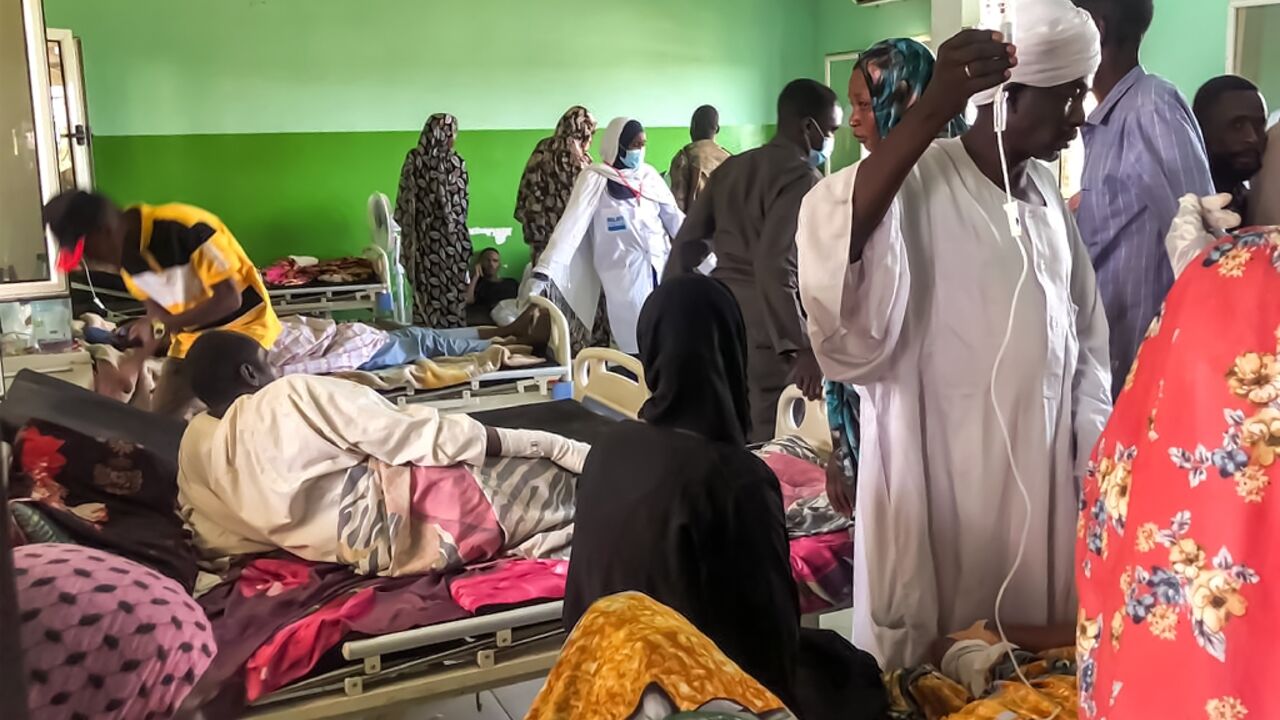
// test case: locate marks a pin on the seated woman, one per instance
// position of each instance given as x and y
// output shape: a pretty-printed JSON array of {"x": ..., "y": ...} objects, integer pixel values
[
  {"x": 1179, "y": 521},
  {"x": 675, "y": 507},
  {"x": 325, "y": 468},
  {"x": 319, "y": 346}
]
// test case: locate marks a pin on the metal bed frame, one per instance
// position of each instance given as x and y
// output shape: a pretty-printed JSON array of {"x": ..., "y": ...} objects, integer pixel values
[
  {"x": 505, "y": 388},
  {"x": 305, "y": 300},
  {"x": 463, "y": 657},
  {"x": 474, "y": 654},
  {"x": 328, "y": 299},
  {"x": 308, "y": 300}
]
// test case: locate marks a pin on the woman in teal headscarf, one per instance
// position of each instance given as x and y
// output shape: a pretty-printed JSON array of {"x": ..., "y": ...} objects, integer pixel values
[{"x": 887, "y": 80}]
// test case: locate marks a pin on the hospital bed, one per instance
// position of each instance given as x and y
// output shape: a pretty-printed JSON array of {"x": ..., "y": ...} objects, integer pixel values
[
  {"x": 324, "y": 299},
  {"x": 596, "y": 383},
  {"x": 468, "y": 656},
  {"x": 506, "y": 387}
]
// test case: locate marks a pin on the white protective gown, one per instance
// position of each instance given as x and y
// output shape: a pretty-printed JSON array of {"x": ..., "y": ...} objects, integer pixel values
[
  {"x": 620, "y": 245},
  {"x": 918, "y": 323}
]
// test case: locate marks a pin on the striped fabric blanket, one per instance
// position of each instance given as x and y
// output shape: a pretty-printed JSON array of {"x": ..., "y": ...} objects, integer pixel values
[{"x": 405, "y": 520}]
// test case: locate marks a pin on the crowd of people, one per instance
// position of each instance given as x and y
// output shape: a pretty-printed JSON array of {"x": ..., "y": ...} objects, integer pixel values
[{"x": 970, "y": 328}]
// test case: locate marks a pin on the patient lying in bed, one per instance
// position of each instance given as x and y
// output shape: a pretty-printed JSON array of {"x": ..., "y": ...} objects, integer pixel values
[
  {"x": 330, "y": 471},
  {"x": 320, "y": 346}
]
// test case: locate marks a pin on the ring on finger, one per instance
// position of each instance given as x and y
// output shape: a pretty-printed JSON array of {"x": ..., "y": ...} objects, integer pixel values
[{"x": 968, "y": 72}]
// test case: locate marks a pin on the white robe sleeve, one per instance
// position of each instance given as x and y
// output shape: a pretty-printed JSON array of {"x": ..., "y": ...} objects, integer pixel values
[
  {"x": 655, "y": 188},
  {"x": 572, "y": 228},
  {"x": 672, "y": 219},
  {"x": 856, "y": 311},
  {"x": 1091, "y": 386},
  {"x": 355, "y": 417}
]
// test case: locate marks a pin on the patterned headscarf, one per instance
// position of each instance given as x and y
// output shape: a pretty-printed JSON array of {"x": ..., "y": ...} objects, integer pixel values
[
  {"x": 434, "y": 161},
  {"x": 431, "y": 208},
  {"x": 576, "y": 126},
  {"x": 897, "y": 72},
  {"x": 438, "y": 134},
  {"x": 550, "y": 173}
]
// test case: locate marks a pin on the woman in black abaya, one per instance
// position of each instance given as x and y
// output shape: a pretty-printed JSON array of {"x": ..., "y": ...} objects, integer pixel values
[{"x": 677, "y": 508}]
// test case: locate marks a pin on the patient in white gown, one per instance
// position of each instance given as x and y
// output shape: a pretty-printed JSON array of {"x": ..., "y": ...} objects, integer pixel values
[{"x": 325, "y": 468}]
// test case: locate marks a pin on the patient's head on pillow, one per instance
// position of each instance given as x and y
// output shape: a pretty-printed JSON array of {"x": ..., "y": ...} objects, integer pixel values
[{"x": 224, "y": 365}]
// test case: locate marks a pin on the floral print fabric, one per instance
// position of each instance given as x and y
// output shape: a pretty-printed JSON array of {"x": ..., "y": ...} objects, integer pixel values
[
  {"x": 117, "y": 496},
  {"x": 1178, "y": 523},
  {"x": 632, "y": 657},
  {"x": 544, "y": 193},
  {"x": 924, "y": 693}
]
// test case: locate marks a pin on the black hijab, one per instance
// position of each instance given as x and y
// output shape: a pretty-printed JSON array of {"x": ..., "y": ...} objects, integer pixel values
[
  {"x": 694, "y": 349},
  {"x": 630, "y": 131}
]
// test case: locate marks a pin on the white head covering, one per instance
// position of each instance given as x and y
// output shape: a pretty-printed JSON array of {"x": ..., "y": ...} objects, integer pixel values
[
  {"x": 1057, "y": 43},
  {"x": 609, "y": 141}
]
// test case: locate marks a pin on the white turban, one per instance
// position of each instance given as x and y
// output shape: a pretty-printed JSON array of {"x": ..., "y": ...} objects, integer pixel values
[{"x": 1057, "y": 43}]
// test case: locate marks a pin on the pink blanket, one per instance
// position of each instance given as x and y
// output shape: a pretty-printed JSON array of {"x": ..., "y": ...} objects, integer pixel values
[{"x": 521, "y": 512}]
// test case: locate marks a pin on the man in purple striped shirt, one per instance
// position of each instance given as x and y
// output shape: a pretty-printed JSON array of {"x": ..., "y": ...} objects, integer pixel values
[{"x": 1143, "y": 151}]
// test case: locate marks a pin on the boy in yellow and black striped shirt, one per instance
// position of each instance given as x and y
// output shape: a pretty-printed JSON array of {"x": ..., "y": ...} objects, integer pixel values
[{"x": 184, "y": 265}]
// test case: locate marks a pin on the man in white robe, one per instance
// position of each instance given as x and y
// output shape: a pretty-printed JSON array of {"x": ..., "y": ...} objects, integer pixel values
[{"x": 918, "y": 317}]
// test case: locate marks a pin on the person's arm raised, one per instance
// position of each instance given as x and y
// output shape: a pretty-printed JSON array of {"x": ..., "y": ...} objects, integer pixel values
[{"x": 970, "y": 62}]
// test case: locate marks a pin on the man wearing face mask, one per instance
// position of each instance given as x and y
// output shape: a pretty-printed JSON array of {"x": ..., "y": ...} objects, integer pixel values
[{"x": 747, "y": 217}]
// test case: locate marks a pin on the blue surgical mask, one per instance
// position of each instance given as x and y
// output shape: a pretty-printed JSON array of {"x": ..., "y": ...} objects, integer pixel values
[
  {"x": 819, "y": 158},
  {"x": 633, "y": 159}
]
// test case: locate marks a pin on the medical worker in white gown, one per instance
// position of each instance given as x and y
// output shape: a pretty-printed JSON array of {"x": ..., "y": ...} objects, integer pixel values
[
  {"x": 908, "y": 270},
  {"x": 615, "y": 234}
]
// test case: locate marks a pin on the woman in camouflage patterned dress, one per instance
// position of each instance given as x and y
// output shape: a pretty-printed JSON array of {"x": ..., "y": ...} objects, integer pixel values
[
  {"x": 544, "y": 192},
  {"x": 431, "y": 209}
]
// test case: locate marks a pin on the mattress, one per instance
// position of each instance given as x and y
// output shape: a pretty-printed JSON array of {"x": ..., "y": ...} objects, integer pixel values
[
  {"x": 318, "y": 613},
  {"x": 279, "y": 619}
]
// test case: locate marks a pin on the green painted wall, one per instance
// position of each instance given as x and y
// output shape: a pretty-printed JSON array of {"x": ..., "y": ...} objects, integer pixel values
[
  {"x": 283, "y": 116},
  {"x": 1188, "y": 42},
  {"x": 305, "y": 193},
  {"x": 177, "y": 67}
]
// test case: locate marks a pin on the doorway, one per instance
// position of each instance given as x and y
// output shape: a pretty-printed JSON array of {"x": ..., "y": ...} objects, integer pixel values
[
  {"x": 70, "y": 114},
  {"x": 839, "y": 69},
  {"x": 1252, "y": 50}
]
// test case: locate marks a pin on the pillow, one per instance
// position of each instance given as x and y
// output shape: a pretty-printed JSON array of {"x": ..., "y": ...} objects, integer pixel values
[
  {"x": 111, "y": 494},
  {"x": 40, "y": 397}
]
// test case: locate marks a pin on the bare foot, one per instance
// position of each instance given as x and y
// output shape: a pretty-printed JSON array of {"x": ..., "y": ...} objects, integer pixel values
[{"x": 533, "y": 328}]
